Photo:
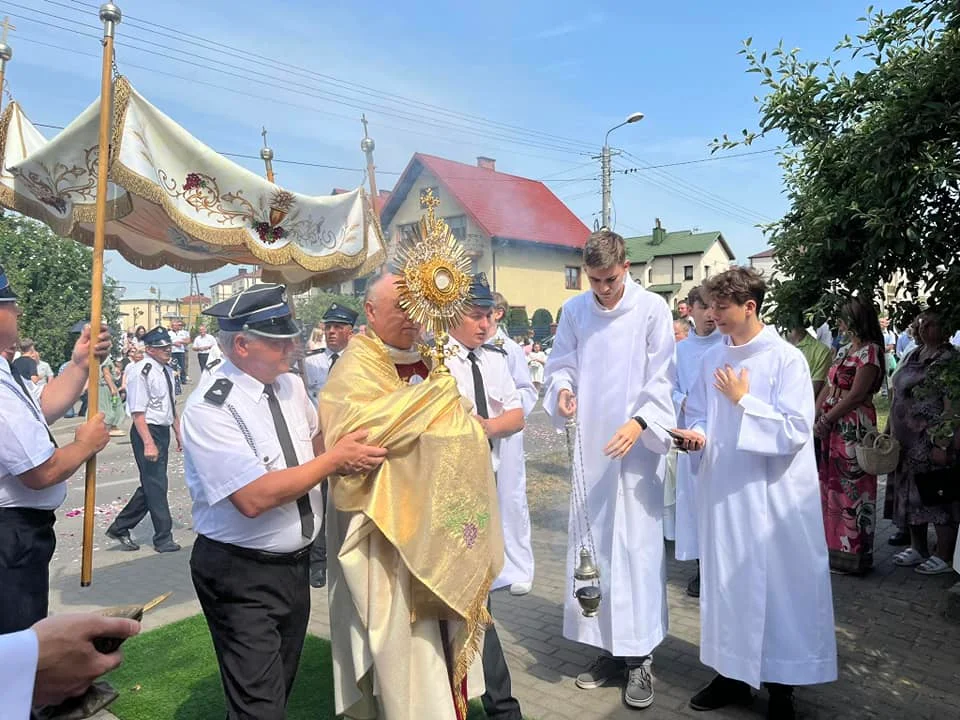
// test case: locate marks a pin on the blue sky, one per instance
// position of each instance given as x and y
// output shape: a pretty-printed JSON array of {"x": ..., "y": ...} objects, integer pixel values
[{"x": 556, "y": 69}]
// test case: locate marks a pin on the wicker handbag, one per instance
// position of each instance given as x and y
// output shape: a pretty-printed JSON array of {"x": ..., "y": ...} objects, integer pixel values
[{"x": 878, "y": 453}]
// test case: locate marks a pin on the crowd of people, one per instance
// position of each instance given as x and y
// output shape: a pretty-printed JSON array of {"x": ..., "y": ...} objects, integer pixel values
[{"x": 341, "y": 467}]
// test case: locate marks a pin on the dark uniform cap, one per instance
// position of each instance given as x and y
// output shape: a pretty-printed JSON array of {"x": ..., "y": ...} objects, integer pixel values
[
  {"x": 6, "y": 292},
  {"x": 480, "y": 294},
  {"x": 260, "y": 309},
  {"x": 340, "y": 314},
  {"x": 158, "y": 337}
]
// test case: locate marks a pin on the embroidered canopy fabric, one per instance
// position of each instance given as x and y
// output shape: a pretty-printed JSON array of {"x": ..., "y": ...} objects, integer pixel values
[{"x": 174, "y": 201}]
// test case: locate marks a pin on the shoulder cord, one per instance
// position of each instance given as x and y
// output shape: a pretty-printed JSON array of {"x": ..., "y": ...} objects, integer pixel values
[
  {"x": 26, "y": 401},
  {"x": 243, "y": 429}
]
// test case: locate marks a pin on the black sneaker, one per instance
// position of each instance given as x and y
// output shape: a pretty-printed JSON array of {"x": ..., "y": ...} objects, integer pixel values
[
  {"x": 126, "y": 543},
  {"x": 901, "y": 538},
  {"x": 780, "y": 706},
  {"x": 604, "y": 669},
  {"x": 167, "y": 547},
  {"x": 693, "y": 587},
  {"x": 722, "y": 691}
]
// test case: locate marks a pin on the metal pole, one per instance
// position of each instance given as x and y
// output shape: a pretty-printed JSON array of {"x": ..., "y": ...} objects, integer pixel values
[
  {"x": 266, "y": 154},
  {"x": 605, "y": 182},
  {"x": 110, "y": 16},
  {"x": 367, "y": 145},
  {"x": 6, "y": 52}
]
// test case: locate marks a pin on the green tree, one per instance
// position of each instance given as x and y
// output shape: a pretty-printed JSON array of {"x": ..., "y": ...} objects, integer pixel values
[
  {"x": 541, "y": 322},
  {"x": 310, "y": 309},
  {"x": 52, "y": 277},
  {"x": 870, "y": 162},
  {"x": 517, "y": 323}
]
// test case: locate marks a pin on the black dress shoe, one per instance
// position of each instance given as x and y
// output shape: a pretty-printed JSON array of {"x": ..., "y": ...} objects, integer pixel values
[
  {"x": 722, "y": 691},
  {"x": 124, "y": 539},
  {"x": 693, "y": 587},
  {"x": 900, "y": 538},
  {"x": 780, "y": 706},
  {"x": 318, "y": 577},
  {"x": 167, "y": 547}
]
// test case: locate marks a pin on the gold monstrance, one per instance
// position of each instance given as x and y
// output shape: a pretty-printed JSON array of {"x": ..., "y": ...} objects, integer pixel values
[{"x": 434, "y": 280}]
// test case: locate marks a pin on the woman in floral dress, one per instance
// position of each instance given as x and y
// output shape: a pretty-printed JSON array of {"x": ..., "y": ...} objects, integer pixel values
[
  {"x": 845, "y": 413},
  {"x": 920, "y": 395}
]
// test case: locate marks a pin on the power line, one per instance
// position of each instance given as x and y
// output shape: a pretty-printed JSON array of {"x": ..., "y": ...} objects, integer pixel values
[
  {"x": 712, "y": 158},
  {"x": 179, "y": 35}
]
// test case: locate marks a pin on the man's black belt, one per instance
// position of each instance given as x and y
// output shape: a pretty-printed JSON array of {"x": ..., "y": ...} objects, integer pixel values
[
  {"x": 33, "y": 515},
  {"x": 264, "y": 556}
]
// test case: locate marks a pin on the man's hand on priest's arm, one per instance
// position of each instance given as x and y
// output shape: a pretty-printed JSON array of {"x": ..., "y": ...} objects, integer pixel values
[
  {"x": 510, "y": 423},
  {"x": 688, "y": 439}
]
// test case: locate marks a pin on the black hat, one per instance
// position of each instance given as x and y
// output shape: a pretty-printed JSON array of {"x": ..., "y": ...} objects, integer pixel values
[
  {"x": 6, "y": 292},
  {"x": 157, "y": 338},
  {"x": 260, "y": 309},
  {"x": 340, "y": 314},
  {"x": 480, "y": 294}
]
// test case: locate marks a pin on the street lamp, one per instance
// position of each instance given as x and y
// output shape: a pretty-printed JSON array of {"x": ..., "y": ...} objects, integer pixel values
[{"x": 606, "y": 180}]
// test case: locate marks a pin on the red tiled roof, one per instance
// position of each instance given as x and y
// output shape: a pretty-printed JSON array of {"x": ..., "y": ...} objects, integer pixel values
[
  {"x": 381, "y": 199},
  {"x": 768, "y": 253},
  {"x": 195, "y": 298},
  {"x": 504, "y": 206}
]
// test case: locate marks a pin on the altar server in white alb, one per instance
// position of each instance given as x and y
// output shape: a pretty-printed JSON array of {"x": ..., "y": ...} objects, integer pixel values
[
  {"x": 703, "y": 336},
  {"x": 612, "y": 365},
  {"x": 766, "y": 608},
  {"x": 512, "y": 477}
]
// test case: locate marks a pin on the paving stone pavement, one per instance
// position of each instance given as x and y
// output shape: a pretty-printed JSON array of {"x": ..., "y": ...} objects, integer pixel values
[{"x": 899, "y": 656}]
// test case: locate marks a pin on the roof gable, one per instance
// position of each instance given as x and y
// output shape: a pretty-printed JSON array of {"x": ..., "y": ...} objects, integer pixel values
[
  {"x": 642, "y": 250},
  {"x": 505, "y": 206}
]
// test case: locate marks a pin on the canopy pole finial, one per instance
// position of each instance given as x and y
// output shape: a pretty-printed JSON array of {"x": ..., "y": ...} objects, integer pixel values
[
  {"x": 367, "y": 145},
  {"x": 6, "y": 53},
  {"x": 266, "y": 154},
  {"x": 110, "y": 16}
]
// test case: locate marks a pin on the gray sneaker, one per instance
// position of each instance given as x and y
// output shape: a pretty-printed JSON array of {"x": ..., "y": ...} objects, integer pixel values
[
  {"x": 639, "y": 690},
  {"x": 604, "y": 669}
]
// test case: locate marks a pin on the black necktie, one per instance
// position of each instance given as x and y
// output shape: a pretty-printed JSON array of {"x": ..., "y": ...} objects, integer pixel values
[
  {"x": 479, "y": 393},
  {"x": 290, "y": 456},
  {"x": 173, "y": 402},
  {"x": 36, "y": 414},
  {"x": 333, "y": 360}
]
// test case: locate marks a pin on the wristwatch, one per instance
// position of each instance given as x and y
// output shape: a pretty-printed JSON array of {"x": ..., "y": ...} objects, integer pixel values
[{"x": 640, "y": 421}]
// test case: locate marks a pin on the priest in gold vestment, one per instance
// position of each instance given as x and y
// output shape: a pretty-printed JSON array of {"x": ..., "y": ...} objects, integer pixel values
[{"x": 414, "y": 546}]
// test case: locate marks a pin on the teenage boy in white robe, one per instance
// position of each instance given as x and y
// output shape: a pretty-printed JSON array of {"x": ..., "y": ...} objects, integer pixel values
[
  {"x": 512, "y": 476},
  {"x": 766, "y": 607},
  {"x": 612, "y": 366},
  {"x": 689, "y": 355}
]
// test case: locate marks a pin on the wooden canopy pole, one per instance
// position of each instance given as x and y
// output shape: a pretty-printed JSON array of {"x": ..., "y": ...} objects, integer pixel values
[
  {"x": 110, "y": 16},
  {"x": 6, "y": 52}
]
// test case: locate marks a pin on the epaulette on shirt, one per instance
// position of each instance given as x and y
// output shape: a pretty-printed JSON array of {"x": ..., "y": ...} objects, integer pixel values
[
  {"x": 218, "y": 392},
  {"x": 146, "y": 369},
  {"x": 318, "y": 351},
  {"x": 500, "y": 350}
]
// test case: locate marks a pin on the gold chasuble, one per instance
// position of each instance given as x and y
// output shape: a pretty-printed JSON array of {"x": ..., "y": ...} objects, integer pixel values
[{"x": 434, "y": 502}]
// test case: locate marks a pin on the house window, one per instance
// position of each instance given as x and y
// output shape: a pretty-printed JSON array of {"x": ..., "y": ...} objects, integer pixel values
[
  {"x": 572, "y": 277},
  {"x": 688, "y": 272},
  {"x": 458, "y": 226},
  {"x": 407, "y": 231},
  {"x": 706, "y": 271},
  {"x": 424, "y": 191}
]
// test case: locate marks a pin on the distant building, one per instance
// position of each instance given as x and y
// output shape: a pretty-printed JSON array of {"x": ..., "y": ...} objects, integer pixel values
[
  {"x": 153, "y": 311},
  {"x": 765, "y": 263},
  {"x": 235, "y": 283},
  {"x": 671, "y": 264}
]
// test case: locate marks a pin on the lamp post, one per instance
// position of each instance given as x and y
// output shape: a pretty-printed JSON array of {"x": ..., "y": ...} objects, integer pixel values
[{"x": 606, "y": 180}]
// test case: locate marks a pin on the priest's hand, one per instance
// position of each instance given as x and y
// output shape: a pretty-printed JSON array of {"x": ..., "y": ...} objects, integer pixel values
[
  {"x": 81, "y": 349},
  {"x": 624, "y": 439},
  {"x": 688, "y": 439},
  {"x": 731, "y": 384},
  {"x": 567, "y": 403}
]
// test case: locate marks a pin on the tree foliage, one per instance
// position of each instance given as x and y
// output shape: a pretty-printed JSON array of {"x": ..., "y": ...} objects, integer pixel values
[
  {"x": 311, "y": 308},
  {"x": 52, "y": 277},
  {"x": 871, "y": 162},
  {"x": 518, "y": 325}
]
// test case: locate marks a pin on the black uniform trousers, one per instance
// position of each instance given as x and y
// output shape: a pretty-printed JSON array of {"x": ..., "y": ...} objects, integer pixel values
[
  {"x": 27, "y": 542},
  {"x": 318, "y": 555},
  {"x": 257, "y": 606},
  {"x": 151, "y": 496}
]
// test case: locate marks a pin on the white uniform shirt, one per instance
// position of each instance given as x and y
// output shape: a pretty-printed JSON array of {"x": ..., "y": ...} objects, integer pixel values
[
  {"x": 149, "y": 393},
  {"x": 227, "y": 447},
  {"x": 203, "y": 343},
  {"x": 502, "y": 393},
  {"x": 182, "y": 336},
  {"x": 20, "y": 651},
  {"x": 24, "y": 444},
  {"x": 317, "y": 367}
]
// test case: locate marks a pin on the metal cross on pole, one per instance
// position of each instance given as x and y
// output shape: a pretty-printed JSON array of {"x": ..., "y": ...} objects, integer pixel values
[{"x": 6, "y": 52}]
